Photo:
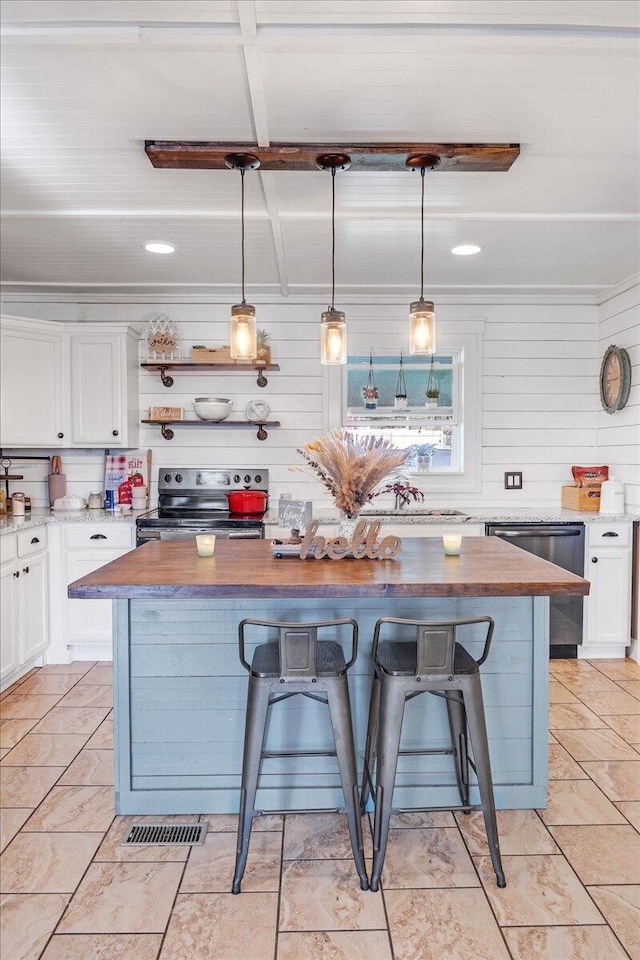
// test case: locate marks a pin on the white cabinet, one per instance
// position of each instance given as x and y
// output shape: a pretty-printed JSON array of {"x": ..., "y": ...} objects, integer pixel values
[
  {"x": 32, "y": 376},
  {"x": 608, "y": 606},
  {"x": 82, "y": 628},
  {"x": 9, "y": 662},
  {"x": 25, "y": 608},
  {"x": 65, "y": 386}
]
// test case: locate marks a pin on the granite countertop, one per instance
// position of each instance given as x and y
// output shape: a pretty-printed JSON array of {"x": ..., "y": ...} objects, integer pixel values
[
  {"x": 474, "y": 515},
  {"x": 35, "y": 518}
]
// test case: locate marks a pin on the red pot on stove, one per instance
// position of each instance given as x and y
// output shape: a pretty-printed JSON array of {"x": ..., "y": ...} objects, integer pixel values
[{"x": 247, "y": 501}]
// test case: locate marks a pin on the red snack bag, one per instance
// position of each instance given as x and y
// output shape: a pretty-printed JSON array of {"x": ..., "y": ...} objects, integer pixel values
[
  {"x": 590, "y": 476},
  {"x": 124, "y": 492}
]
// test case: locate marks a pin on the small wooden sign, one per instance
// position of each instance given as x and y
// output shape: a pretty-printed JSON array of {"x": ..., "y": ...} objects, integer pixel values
[
  {"x": 363, "y": 546},
  {"x": 166, "y": 413}
]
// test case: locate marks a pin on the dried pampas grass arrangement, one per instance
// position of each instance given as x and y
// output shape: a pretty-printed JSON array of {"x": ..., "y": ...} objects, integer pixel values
[{"x": 354, "y": 469}]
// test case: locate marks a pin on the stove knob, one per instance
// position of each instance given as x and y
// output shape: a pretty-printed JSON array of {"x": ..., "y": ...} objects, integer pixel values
[
  {"x": 178, "y": 478},
  {"x": 258, "y": 478},
  {"x": 167, "y": 478},
  {"x": 247, "y": 478},
  {"x": 237, "y": 478}
]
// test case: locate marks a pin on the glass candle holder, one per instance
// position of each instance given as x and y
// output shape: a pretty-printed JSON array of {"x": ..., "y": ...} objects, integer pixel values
[
  {"x": 206, "y": 543},
  {"x": 452, "y": 543}
]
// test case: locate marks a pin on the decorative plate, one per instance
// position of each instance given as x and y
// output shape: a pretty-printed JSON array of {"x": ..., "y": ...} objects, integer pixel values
[
  {"x": 162, "y": 336},
  {"x": 257, "y": 411}
]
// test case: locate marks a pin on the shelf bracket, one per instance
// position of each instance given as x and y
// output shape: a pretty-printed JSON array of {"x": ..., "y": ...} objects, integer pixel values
[
  {"x": 166, "y": 431},
  {"x": 167, "y": 381},
  {"x": 262, "y": 382}
]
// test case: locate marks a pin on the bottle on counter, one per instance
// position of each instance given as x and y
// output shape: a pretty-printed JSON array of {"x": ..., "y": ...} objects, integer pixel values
[{"x": 17, "y": 504}]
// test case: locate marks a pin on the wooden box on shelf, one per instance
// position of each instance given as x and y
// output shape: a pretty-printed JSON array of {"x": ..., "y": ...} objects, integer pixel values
[
  {"x": 213, "y": 355},
  {"x": 581, "y": 498}
]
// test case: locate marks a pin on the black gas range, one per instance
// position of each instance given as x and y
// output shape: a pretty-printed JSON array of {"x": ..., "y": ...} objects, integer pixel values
[{"x": 193, "y": 500}]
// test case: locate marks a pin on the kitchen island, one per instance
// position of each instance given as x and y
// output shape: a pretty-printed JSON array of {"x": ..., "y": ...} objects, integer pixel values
[{"x": 180, "y": 691}]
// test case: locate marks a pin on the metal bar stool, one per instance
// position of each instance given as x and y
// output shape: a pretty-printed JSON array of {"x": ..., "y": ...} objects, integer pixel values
[
  {"x": 298, "y": 663},
  {"x": 433, "y": 663}
]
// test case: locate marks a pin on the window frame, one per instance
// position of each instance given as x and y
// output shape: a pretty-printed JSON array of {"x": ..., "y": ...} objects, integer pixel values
[{"x": 463, "y": 337}]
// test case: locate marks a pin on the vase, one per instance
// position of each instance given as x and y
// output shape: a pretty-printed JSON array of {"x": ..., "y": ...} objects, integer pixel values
[
  {"x": 347, "y": 525},
  {"x": 423, "y": 462}
]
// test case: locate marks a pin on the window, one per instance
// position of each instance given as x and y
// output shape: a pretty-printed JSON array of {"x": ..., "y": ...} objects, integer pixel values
[
  {"x": 447, "y": 436},
  {"x": 429, "y": 426}
]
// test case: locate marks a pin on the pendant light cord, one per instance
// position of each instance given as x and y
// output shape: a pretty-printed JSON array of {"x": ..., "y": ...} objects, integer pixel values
[
  {"x": 242, "y": 224},
  {"x": 422, "y": 236},
  {"x": 333, "y": 236}
]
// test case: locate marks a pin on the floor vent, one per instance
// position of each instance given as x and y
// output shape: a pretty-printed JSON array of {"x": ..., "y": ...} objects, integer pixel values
[{"x": 163, "y": 834}]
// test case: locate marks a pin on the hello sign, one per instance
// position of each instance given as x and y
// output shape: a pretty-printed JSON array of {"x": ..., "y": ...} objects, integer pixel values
[{"x": 363, "y": 545}]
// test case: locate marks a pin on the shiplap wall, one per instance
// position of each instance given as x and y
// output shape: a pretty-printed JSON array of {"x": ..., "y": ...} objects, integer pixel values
[
  {"x": 540, "y": 394},
  {"x": 618, "y": 434}
]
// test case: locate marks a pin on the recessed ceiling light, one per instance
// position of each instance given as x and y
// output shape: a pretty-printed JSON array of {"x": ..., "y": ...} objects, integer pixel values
[
  {"x": 466, "y": 249},
  {"x": 160, "y": 247}
]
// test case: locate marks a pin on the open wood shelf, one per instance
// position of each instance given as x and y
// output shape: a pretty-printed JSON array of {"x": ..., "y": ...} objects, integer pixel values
[
  {"x": 168, "y": 433},
  {"x": 162, "y": 367}
]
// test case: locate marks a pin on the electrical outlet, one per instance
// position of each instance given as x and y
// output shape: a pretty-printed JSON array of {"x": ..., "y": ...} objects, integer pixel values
[{"x": 513, "y": 480}]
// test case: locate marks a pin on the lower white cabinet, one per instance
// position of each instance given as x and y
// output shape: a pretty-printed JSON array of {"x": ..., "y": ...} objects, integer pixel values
[
  {"x": 607, "y": 629},
  {"x": 81, "y": 629},
  {"x": 24, "y": 598}
]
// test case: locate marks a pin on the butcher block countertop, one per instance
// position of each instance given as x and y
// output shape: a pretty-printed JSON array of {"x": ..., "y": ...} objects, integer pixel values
[{"x": 172, "y": 570}]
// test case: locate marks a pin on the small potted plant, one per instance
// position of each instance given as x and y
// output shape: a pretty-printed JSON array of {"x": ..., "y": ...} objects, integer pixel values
[
  {"x": 264, "y": 349},
  {"x": 432, "y": 391},
  {"x": 432, "y": 395},
  {"x": 370, "y": 391},
  {"x": 423, "y": 456},
  {"x": 400, "y": 401}
]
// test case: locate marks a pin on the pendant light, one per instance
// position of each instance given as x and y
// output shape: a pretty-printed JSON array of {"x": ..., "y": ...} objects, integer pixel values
[
  {"x": 333, "y": 329},
  {"x": 242, "y": 328},
  {"x": 422, "y": 317}
]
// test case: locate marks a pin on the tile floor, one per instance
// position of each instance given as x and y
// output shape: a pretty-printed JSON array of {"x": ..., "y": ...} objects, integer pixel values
[{"x": 70, "y": 892}]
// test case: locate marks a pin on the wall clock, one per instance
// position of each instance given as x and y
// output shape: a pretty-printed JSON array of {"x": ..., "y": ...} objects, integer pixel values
[{"x": 615, "y": 378}]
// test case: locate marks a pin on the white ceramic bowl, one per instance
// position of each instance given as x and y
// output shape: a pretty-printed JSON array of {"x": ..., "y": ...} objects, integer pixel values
[{"x": 212, "y": 408}]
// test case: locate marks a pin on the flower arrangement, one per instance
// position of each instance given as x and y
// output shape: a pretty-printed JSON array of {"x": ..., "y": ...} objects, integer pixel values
[{"x": 354, "y": 469}]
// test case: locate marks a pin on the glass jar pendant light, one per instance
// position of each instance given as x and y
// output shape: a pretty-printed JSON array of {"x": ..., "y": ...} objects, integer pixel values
[
  {"x": 242, "y": 328},
  {"x": 333, "y": 329},
  {"x": 422, "y": 316}
]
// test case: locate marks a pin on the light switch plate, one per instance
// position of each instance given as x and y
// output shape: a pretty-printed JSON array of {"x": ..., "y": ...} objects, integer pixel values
[{"x": 513, "y": 480}]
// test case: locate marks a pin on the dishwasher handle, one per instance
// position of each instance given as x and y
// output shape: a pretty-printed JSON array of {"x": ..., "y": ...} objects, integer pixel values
[{"x": 558, "y": 532}]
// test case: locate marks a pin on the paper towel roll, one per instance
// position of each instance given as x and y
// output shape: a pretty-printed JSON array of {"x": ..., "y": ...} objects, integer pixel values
[{"x": 57, "y": 486}]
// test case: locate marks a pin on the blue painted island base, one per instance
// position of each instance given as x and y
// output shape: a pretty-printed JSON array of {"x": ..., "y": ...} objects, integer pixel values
[{"x": 180, "y": 696}]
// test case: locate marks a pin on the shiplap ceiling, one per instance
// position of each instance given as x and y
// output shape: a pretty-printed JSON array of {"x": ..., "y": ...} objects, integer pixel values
[{"x": 85, "y": 82}]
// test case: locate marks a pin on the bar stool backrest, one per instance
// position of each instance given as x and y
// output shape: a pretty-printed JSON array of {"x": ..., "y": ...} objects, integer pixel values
[
  {"x": 298, "y": 652},
  {"x": 436, "y": 642},
  {"x": 298, "y": 645},
  {"x": 436, "y": 646}
]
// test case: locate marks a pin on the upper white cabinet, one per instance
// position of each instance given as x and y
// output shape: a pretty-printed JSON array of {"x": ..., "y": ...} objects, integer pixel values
[
  {"x": 33, "y": 411},
  {"x": 68, "y": 386}
]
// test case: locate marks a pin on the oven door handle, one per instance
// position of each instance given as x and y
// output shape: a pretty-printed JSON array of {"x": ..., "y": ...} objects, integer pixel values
[{"x": 253, "y": 534}]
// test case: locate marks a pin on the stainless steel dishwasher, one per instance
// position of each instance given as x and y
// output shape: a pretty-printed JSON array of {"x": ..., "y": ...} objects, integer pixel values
[{"x": 562, "y": 544}]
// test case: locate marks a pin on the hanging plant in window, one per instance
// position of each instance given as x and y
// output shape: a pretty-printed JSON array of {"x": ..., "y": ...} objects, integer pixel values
[
  {"x": 432, "y": 392},
  {"x": 400, "y": 402},
  {"x": 370, "y": 392}
]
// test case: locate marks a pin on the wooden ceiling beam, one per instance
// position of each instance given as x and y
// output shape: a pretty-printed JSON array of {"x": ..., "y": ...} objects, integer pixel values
[{"x": 370, "y": 157}]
